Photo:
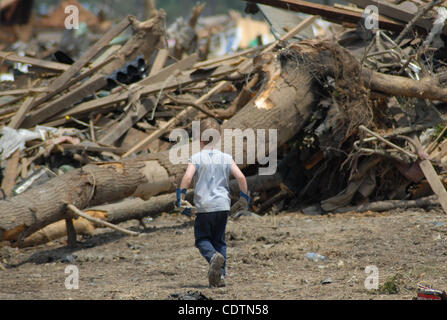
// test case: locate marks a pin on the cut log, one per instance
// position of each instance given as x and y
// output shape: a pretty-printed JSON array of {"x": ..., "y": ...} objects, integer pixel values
[{"x": 284, "y": 104}]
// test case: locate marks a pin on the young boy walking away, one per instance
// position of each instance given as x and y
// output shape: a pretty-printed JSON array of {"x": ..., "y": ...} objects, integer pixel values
[{"x": 210, "y": 169}]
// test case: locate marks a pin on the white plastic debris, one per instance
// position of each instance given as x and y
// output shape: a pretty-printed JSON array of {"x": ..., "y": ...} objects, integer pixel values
[
  {"x": 12, "y": 140},
  {"x": 427, "y": 136},
  {"x": 6, "y": 77}
]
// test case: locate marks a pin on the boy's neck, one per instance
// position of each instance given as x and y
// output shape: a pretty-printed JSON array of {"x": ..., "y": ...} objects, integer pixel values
[{"x": 204, "y": 146}]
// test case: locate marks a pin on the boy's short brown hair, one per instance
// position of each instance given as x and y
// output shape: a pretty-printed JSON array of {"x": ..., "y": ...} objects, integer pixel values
[{"x": 209, "y": 123}]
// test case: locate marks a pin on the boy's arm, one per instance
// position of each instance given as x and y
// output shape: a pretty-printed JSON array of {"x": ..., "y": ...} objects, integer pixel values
[
  {"x": 244, "y": 200},
  {"x": 181, "y": 191},
  {"x": 187, "y": 178},
  {"x": 239, "y": 176}
]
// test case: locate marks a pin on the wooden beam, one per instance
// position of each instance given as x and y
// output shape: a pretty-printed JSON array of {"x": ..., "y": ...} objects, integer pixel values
[
  {"x": 90, "y": 53},
  {"x": 164, "y": 73},
  {"x": 22, "y": 91},
  {"x": 56, "y": 66},
  {"x": 328, "y": 13},
  {"x": 393, "y": 11},
  {"x": 159, "y": 62},
  {"x": 218, "y": 60},
  {"x": 17, "y": 119},
  {"x": 144, "y": 40},
  {"x": 69, "y": 146},
  {"x": 157, "y": 134},
  {"x": 181, "y": 80},
  {"x": 11, "y": 172},
  {"x": 136, "y": 112},
  {"x": 60, "y": 83}
]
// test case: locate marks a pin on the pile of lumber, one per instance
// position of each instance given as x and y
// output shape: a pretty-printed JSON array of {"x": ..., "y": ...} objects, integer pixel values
[{"x": 360, "y": 123}]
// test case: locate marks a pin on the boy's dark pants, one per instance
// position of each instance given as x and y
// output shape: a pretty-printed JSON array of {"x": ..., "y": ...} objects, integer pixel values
[{"x": 209, "y": 233}]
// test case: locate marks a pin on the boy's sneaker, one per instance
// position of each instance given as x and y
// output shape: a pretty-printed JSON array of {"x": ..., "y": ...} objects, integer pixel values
[
  {"x": 221, "y": 282},
  {"x": 214, "y": 274}
]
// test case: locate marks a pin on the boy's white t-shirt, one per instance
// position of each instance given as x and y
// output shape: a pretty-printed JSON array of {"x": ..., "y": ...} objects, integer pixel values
[{"x": 211, "y": 180}]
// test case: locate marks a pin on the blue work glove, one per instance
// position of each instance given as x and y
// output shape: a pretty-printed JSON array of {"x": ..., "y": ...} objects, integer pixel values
[
  {"x": 241, "y": 204},
  {"x": 181, "y": 204},
  {"x": 180, "y": 195}
]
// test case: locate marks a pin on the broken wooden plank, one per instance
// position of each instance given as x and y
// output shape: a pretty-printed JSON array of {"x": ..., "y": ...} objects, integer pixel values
[
  {"x": 329, "y": 13},
  {"x": 23, "y": 91},
  {"x": 90, "y": 53},
  {"x": 164, "y": 73},
  {"x": 17, "y": 119},
  {"x": 93, "y": 148},
  {"x": 11, "y": 173},
  {"x": 146, "y": 37},
  {"x": 11, "y": 168},
  {"x": 157, "y": 134},
  {"x": 56, "y": 66},
  {"x": 106, "y": 55},
  {"x": 133, "y": 136},
  {"x": 159, "y": 61},
  {"x": 218, "y": 60},
  {"x": 435, "y": 182},
  {"x": 394, "y": 11},
  {"x": 60, "y": 83},
  {"x": 180, "y": 81},
  {"x": 136, "y": 112}
]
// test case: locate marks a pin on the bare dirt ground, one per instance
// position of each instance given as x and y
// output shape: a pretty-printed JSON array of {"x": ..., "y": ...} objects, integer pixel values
[{"x": 266, "y": 259}]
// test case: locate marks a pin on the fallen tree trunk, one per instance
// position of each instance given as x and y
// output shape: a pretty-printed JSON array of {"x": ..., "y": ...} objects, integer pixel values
[
  {"x": 285, "y": 103},
  {"x": 386, "y": 205},
  {"x": 91, "y": 185},
  {"x": 401, "y": 86},
  {"x": 135, "y": 208}
]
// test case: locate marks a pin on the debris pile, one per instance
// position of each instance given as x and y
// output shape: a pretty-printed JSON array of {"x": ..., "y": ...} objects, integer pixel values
[{"x": 359, "y": 114}]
